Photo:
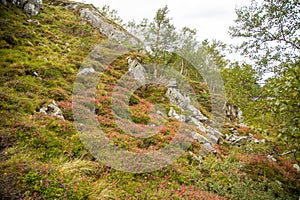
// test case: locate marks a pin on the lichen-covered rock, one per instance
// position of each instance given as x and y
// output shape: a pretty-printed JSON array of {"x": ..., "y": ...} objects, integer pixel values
[
  {"x": 198, "y": 124},
  {"x": 86, "y": 71},
  {"x": 200, "y": 138},
  {"x": 183, "y": 102},
  {"x": 136, "y": 70},
  {"x": 172, "y": 113},
  {"x": 52, "y": 110},
  {"x": 30, "y": 7},
  {"x": 177, "y": 98},
  {"x": 112, "y": 31}
]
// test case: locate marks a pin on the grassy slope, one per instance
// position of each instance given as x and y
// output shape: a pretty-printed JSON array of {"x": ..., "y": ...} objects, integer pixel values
[{"x": 42, "y": 157}]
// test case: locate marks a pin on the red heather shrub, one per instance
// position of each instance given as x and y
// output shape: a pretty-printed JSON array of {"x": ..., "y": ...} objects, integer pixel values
[
  {"x": 66, "y": 108},
  {"x": 191, "y": 192}
]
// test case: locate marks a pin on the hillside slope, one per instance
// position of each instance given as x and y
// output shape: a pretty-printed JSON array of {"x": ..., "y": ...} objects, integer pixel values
[{"x": 42, "y": 156}]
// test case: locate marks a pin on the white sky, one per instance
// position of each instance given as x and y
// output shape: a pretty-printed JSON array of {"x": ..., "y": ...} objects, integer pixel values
[{"x": 211, "y": 18}]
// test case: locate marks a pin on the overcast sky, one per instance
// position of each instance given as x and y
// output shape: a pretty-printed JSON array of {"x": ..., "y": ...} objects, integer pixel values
[{"x": 211, "y": 18}]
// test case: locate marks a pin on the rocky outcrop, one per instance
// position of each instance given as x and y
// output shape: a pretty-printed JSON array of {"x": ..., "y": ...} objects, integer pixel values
[
  {"x": 190, "y": 114},
  {"x": 196, "y": 117},
  {"x": 183, "y": 102},
  {"x": 236, "y": 139},
  {"x": 172, "y": 113},
  {"x": 136, "y": 70},
  {"x": 30, "y": 7},
  {"x": 106, "y": 27},
  {"x": 52, "y": 110}
]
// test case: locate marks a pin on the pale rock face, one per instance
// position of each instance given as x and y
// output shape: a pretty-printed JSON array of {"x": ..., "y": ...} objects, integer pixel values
[
  {"x": 183, "y": 102},
  {"x": 215, "y": 132},
  {"x": 200, "y": 138},
  {"x": 136, "y": 70},
  {"x": 209, "y": 147},
  {"x": 199, "y": 124},
  {"x": 177, "y": 98},
  {"x": 197, "y": 113},
  {"x": 172, "y": 83},
  {"x": 108, "y": 29}
]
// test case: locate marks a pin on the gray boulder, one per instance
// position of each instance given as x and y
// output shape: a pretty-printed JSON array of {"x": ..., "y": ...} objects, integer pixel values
[
  {"x": 30, "y": 7},
  {"x": 86, "y": 71},
  {"x": 172, "y": 113},
  {"x": 209, "y": 147}
]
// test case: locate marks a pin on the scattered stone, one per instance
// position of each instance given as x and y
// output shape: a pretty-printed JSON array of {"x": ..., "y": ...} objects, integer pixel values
[
  {"x": 42, "y": 44},
  {"x": 35, "y": 22},
  {"x": 196, "y": 113},
  {"x": 215, "y": 132},
  {"x": 209, "y": 147},
  {"x": 72, "y": 5},
  {"x": 279, "y": 183},
  {"x": 270, "y": 157},
  {"x": 297, "y": 167},
  {"x": 86, "y": 71},
  {"x": 195, "y": 157},
  {"x": 183, "y": 102},
  {"x": 239, "y": 140},
  {"x": 52, "y": 110},
  {"x": 159, "y": 113},
  {"x": 256, "y": 141},
  {"x": 213, "y": 138},
  {"x": 35, "y": 74}
]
